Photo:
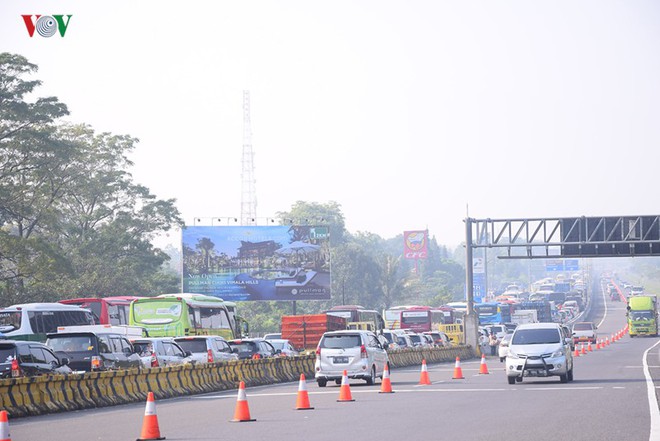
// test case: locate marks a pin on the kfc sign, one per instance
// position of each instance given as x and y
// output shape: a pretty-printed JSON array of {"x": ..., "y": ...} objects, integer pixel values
[{"x": 415, "y": 244}]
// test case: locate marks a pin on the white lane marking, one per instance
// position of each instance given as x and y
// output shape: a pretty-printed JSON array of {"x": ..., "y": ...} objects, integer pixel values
[
  {"x": 564, "y": 388},
  {"x": 618, "y": 387},
  {"x": 602, "y": 291},
  {"x": 653, "y": 401}
]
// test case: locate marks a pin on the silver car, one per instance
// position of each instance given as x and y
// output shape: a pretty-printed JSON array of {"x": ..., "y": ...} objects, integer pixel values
[
  {"x": 539, "y": 350},
  {"x": 160, "y": 352},
  {"x": 359, "y": 353},
  {"x": 207, "y": 348}
]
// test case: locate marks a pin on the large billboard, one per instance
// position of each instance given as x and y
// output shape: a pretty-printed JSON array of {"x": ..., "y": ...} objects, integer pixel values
[{"x": 257, "y": 262}]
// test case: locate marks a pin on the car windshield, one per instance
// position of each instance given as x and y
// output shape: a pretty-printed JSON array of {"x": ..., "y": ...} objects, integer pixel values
[
  {"x": 278, "y": 344},
  {"x": 79, "y": 343},
  {"x": 143, "y": 348},
  {"x": 641, "y": 315},
  {"x": 244, "y": 346},
  {"x": 7, "y": 353},
  {"x": 193, "y": 345},
  {"x": 340, "y": 341},
  {"x": 535, "y": 336}
]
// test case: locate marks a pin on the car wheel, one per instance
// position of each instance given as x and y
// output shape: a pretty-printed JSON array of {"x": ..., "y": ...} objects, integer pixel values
[
  {"x": 372, "y": 378},
  {"x": 338, "y": 381},
  {"x": 570, "y": 375},
  {"x": 519, "y": 379},
  {"x": 322, "y": 382},
  {"x": 501, "y": 359},
  {"x": 511, "y": 380},
  {"x": 563, "y": 378}
]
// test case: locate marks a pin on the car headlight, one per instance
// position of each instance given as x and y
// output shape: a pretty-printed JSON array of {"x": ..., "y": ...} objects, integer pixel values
[
  {"x": 558, "y": 353},
  {"x": 512, "y": 354}
]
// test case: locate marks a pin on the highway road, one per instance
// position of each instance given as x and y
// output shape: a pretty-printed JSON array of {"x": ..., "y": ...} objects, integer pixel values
[{"x": 610, "y": 399}]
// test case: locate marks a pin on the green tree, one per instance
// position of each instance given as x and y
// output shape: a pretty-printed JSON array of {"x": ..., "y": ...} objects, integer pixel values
[
  {"x": 314, "y": 213},
  {"x": 72, "y": 222}
]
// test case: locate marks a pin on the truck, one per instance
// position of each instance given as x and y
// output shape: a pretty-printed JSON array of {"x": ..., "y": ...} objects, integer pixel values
[
  {"x": 305, "y": 331},
  {"x": 642, "y": 314},
  {"x": 523, "y": 316}
]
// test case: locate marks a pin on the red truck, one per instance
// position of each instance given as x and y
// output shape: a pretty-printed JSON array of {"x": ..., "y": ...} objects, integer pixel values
[{"x": 305, "y": 331}]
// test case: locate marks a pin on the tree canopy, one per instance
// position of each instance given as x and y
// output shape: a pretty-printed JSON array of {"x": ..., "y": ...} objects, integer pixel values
[{"x": 72, "y": 221}]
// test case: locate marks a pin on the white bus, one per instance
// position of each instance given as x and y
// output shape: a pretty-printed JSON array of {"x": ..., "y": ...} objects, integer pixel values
[{"x": 32, "y": 321}]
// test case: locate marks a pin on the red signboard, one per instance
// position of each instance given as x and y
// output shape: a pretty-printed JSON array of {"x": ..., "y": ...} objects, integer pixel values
[{"x": 415, "y": 244}]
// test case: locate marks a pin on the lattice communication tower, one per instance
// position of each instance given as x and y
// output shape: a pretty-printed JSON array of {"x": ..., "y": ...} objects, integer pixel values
[{"x": 248, "y": 191}]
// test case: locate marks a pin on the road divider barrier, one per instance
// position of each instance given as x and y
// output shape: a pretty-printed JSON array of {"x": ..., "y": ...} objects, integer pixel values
[{"x": 26, "y": 396}]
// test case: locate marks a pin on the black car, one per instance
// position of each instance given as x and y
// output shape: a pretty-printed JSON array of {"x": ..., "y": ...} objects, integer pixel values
[
  {"x": 252, "y": 348},
  {"x": 94, "y": 351},
  {"x": 29, "y": 359}
]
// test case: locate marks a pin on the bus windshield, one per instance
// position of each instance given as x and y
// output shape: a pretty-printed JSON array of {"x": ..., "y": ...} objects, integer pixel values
[
  {"x": 10, "y": 320},
  {"x": 157, "y": 311}
]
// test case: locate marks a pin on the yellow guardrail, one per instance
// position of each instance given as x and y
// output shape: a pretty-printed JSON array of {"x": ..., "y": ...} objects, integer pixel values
[{"x": 29, "y": 396}]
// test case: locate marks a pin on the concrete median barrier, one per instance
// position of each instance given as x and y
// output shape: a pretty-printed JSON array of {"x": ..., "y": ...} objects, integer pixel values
[{"x": 60, "y": 393}]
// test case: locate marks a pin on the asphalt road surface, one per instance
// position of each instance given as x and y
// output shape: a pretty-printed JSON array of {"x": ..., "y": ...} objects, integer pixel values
[{"x": 612, "y": 398}]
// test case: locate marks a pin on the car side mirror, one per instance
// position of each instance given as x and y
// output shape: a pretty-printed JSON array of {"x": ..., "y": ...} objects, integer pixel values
[
  {"x": 278, "y": 351},
  {"x": 127, "y": 351},
  {"x": 188, "y": 354},
  {"x": 64, "y": 361}
]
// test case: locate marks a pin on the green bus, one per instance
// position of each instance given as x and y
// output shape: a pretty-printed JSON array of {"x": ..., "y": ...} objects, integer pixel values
[{"x": 177, "y": 315}]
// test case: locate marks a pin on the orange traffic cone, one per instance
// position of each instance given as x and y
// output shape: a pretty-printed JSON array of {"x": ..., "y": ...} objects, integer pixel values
[
  {"x": 4, "y": 426},
  {"x": 589, "y": 348},
  {"x": 242, "y": 412},
  {"x": 577, "y": 352},
  {"x": 424, "y": 375},
  {"x": 598, "y": 346},
  {"x": 150, "y": 430},
  {"x": 582, "y": 350},
  {"x": 386, "y": 384},
  {"x": 458, "y": 372},
  {"x": 345, "y": 389},
  {"x": 302, "y": 402},
  {"x": 483, "y": 369}
]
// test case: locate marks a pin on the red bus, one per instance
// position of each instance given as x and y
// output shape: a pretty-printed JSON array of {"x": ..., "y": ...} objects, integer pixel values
[
  {"x": 426, "y": 318},
  {"x": 106, "y": 310}
]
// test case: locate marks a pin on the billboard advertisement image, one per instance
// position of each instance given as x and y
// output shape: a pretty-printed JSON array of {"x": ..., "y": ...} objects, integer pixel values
[
  {"x": 415, "y": 244},
  {"x": 257, "y": 262}
]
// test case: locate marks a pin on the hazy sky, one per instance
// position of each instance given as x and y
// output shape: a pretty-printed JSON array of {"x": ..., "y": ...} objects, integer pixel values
[{"x": 404, "y": 112}]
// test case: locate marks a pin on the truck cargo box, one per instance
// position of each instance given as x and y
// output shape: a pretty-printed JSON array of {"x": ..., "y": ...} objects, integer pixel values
[{"x": 305, "y": 331}]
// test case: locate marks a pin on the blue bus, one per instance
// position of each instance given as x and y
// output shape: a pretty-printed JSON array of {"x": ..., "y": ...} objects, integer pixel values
[{"x": 488, "y": 313}]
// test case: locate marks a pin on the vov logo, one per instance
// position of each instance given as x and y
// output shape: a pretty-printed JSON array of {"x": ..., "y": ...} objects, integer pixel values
[{"x": 46, "y": 25}]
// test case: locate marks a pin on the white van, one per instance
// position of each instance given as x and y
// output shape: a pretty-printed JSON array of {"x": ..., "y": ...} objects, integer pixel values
[
  {"x": 32, "y": 321},
  {"x": 359, "y": 353}
]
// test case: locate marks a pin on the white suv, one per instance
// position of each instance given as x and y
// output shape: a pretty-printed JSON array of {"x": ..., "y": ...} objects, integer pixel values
[
  {"x": 359, "y": 353},
  {"x": 539, "y": 350}
]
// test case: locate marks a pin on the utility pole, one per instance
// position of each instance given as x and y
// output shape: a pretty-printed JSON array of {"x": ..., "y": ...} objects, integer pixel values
[
  {"x": 471, "y": 322},
  {"x": 248, "y": 192}
]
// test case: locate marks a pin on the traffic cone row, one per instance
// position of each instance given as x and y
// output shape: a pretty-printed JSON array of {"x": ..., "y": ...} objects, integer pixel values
[
  {"x": 302, "y": 402},
  {"x": 483, "y": 368},
  {"x": 4, "y": 426},
  {"x": 424, "y": 379},
  {"x": 150, "y": 429},
  {"x": 345, "y": 389},
  {"x": 386, "y": 384},
  {"x": 458, "y": 372},
  {"x": 242, "y": 411}
]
